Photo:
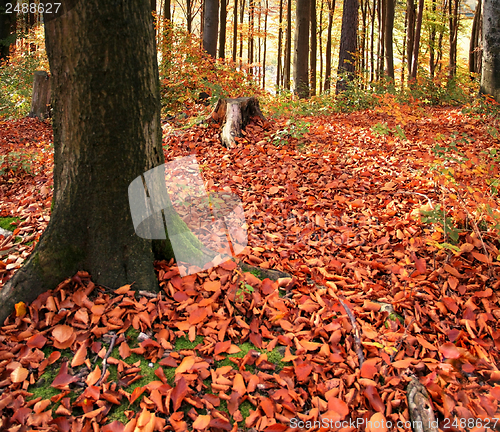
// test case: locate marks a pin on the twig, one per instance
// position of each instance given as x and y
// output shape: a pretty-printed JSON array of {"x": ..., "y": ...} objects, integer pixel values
[
  {"x": 357, "y": 339},
  {"x": 104, "y": 360}
]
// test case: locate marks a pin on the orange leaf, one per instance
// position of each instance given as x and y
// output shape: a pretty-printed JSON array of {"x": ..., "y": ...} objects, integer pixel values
[
  {"x": 369, "y": 369},
  {"x": 93, "y": 376},
  {"x": 339, "y": 406},
  {"x": 186, "y": 364},
  {"x": 212, "y": 285},
  {"x": 202, "y": 422},
  {"x": 19, "y": 375},
  {"x": 239, "y": 385},
  {"x": 124, "y": 350},
  {"x": 402, "y": 364},
  {"x": 136, "y": 393},
  {"x": 273, "y": 190},
  {"x": 373, "y": 397},
  {"x": 197, "y": 316},
  {"x": 62, "y": 333},
  {"x": 377, "y": 423},
  {"x": 123, "y": 290},
  {"x": 302, "y": 370},
  {"x": 222, "y": 347},
  {"x": 80, "y": 356},
  {"x": 63, "y": 379},
  {"x": 20, "y": 309},
  {"x": 36, "y": 341}
]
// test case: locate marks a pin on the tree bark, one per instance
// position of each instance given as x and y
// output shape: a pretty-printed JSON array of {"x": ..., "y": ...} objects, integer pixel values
[
  {"x": 167, "y": 13},
  {"x": 490, "y": 78},
  {"x": 348, "y": 43},
  {"x": 388, "y": 33},
  {"x": 40, "y": 100},
  {"x": 235, "y": 113},
  {"x": 106, "y": 122},
  {"x": 235, "y": 29},
  {"x": 475, "y": 41},
  {"x": 416, "y": 42},
  {"x": 288, "y": 47},
  {"x": 280, "y": 41},
  {"x": 301, "y": 69},
  {"x": 314, "y": 48},
  {"x": 222, "y": 32},
  {"x": 328, "y": 60},
  {"x": 454, "y": 23},
  {"x": 210, "y": 26},
  {"x": 7, "y": 29},
  {"x": 410, "y": 14}
]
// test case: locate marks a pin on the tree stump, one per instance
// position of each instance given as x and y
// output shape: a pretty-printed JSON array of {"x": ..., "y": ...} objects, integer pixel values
[
  {"x": 40, "y": 100},
  {"x": 236, "y": 113}
]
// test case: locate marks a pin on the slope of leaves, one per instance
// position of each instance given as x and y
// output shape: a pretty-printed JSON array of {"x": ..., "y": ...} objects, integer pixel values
[{"x": 337, "y": 208}]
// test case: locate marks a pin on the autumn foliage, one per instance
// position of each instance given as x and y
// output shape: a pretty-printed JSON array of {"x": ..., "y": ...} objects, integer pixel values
[{"x": 349, "y": 209}]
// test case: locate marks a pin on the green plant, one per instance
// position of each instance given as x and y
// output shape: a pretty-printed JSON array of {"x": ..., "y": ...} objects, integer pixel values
[
  {"x": 295, "y": 128},
  {"x": 242, "y": 290},
  {"x": 16, "y": 162},
  {"x": 444, "y": 224}
]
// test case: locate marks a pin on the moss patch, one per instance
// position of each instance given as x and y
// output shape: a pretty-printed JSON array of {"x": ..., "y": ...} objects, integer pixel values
[{"x": 9, "y": 223}]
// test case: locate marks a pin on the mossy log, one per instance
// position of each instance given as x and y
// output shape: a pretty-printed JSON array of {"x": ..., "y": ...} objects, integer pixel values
[{"x": 235, "y": 113}]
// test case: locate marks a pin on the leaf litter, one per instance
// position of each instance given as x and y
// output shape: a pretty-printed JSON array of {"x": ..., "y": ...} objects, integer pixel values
[{"x": 373, "y": 300}]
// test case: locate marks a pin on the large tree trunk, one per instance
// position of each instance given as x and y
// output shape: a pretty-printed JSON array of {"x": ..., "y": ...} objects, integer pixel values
[
  {"x": 7, "y": 28},
  {"x": 490, "y": 77},
  {"x": 348, "y": 43},
  {"x": 211, "y": 26},
  {"x": 106, "y": 122},
  {"x": 301, "y": 70},
  {"x": 416, "y": 42}
]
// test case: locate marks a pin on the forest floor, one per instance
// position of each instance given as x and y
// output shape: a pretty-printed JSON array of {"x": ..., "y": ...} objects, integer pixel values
[{"x": 380, "y": 293}]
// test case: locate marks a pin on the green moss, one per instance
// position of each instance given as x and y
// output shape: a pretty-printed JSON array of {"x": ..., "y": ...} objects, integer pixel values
[
  {"x": 9, "y": 223},
  {"x": 184, "y": 343}
]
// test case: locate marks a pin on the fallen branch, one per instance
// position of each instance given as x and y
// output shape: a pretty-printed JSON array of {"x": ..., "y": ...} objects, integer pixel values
[
  {"x": 357, "y": 338},
  {"x": 105, "y": 359}
]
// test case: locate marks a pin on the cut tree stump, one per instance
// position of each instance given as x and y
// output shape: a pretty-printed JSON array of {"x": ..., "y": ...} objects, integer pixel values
[
  {"x": 236, "y": 113},
  {"x": 40, "y": 100}
]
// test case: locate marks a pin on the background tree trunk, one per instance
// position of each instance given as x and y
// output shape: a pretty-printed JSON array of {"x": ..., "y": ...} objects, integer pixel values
[
  {"x": 210, "y": 26},
  {"x": 490, "y": 78},
  {"x": 314, "y": 48},
  {"x": 416, "y": 41},
  {"x": 106, "y": 122},
  {"x": 476, "y": 41},
  {"x": 7, "y": 29},
  {"x": 280, "y": 42},
  {"x": 454, "y": 22},
  {"x": 40, "y": 99},
  {"x": 235, "y": 29},
  {"x": 288, "y": 47},
  {"x": 301, "y": 76},
  {"x": 348, "y": 43},
  {"x": 222, "y": 32},
  {"x": 328, "y": 60},
  {"x": 389, "y": 27},
  {"x": 167, "y": 13}
]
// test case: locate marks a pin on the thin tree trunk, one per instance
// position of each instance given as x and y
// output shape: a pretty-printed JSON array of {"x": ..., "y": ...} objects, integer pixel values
[
  {"x": 381, "y": 38},
  {"x": 189, "y": 16},
  {"x": 301, "y": 76},
  {"x": 416, "y": 46},
  {"x": 403, "y": 53},
  {"x": 265, "y": 47},
  {"x": 242, "y": 17},
  {"x": 411, "y": 16},
  {"x": 314, "y": 49},
  {"x": 328, "y": 66},
  {"x": 167, "y": 12},
  {"x": 251, "y": 12},
  {"x": 372, "y": 42},
  {"x": 432, "y": 42},
  {"x": 288, "y": 52},
  {"x": 321, "y": 47},
  {"x": 389, "y": 26},
  {"x": 280, "y": 41},
  {"x": 454, "y": 23},
  {"x": 235, "y": 29},
  {"x": 222, "y": 31}
]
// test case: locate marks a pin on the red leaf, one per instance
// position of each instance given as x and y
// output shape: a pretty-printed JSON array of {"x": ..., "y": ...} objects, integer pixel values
[
  {"x": 449, "y": 351},
  {"x": 222, "y": 347},
  {"x": 197, "y": 316},
  {"x": 179, "y": 393},
  {"x": 373, "y": 397},
  {"x": 302, "y": 371},
  {"x": 63, "y": 379}
]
